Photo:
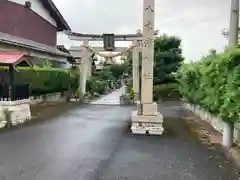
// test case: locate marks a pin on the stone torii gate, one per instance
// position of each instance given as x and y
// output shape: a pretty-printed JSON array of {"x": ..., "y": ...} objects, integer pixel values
[
  {"x": 146, "y": 119},
  {"x": 84, "y": 52},
  {"x": 83, "y": 55}
]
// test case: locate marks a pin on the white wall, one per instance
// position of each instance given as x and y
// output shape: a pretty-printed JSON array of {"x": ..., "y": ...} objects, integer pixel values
[
  {"x": 39, "y": 9},
  {"x": 64, "y": 65}
]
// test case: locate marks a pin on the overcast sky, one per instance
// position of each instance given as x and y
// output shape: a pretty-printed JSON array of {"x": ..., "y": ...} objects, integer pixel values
[{"x": 197, "y": 22}]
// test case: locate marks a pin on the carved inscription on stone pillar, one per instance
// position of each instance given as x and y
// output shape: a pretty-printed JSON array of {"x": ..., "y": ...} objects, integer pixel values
[
  {"x": 149, "y": 25},
  {"x": 148, "y": 75},
  {"x": 148, "y": 51},
  {"x": 146, "y": 42},
  {"x": 139, "y": 43},
  {"x": 149, "y": 9}
]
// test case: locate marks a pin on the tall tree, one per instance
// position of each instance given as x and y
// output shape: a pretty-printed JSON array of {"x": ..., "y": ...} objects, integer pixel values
[{"x": 167, "y": 58}]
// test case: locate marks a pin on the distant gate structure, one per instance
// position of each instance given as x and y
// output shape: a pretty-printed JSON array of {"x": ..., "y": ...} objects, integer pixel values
[
  {"x": 84, "y": 52},
  {"x": 147, "y": 119}
]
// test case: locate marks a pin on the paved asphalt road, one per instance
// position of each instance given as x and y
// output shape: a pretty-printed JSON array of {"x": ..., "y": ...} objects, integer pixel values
[
  {"x": 94, "y": 143},
  {"x": 110, "y": 99}
]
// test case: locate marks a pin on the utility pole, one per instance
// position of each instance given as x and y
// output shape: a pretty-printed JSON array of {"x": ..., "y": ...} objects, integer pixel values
[{"x": 234, "y": 22}]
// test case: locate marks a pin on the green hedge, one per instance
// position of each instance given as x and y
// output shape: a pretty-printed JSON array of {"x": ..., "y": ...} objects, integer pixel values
[
  {"x": 214, "y": 84},
  {"x": 45, "y": 80}
]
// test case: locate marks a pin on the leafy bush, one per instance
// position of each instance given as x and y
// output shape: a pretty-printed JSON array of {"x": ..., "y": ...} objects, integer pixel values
[
  {"x": 105, "y": 74},
  {"x": 45, "y": 80},
  {"x": 77, "y": 93},
  {"x": 95, "y": 85},
  {"x": 109, "y": 77},
  {"x": 214, "y": 84},
  {"x": 165, "y": 91},
  {"x": 131, "y": 94},
  {"x": 117, "y": 70}
]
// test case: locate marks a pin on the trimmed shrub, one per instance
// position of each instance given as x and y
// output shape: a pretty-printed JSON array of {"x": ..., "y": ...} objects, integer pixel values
[{"x": 214, "y": 84}]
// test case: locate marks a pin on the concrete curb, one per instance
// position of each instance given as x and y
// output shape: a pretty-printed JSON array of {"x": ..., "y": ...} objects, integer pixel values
[{"x": 216, "y": 122}]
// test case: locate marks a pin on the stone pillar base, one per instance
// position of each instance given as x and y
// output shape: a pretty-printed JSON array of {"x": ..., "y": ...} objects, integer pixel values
[
  {"x": 147, "y": 124},
  {"x": 136, "y": 97}
]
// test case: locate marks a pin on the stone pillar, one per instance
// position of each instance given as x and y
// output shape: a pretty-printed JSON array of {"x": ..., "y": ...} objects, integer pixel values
[
  {"x": 88, "y": 61},
  {"x": 84, "y": 68},
  {"x": 89, "y": 66},
  {"x": 135, "y": 71},
  {"x": 149, "y": 120}
]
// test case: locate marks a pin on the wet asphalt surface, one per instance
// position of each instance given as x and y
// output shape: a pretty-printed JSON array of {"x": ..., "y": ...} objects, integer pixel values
[{"x": 94, "y": 142}]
